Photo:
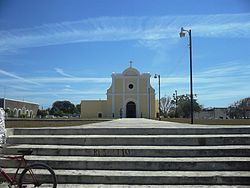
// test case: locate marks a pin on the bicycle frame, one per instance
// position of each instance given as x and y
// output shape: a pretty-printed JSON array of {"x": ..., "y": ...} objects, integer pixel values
[
  {"x": 21, "y": 161},
  {"x": 8, "y": 178},
  {"x": 28, "y": 175}
]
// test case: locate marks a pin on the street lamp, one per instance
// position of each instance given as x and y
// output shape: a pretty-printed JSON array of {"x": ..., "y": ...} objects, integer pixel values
[
  {"x": 182, "y": 34},
  {"x": 159, "y": 82},
  {"x": 175, "y": 96}
]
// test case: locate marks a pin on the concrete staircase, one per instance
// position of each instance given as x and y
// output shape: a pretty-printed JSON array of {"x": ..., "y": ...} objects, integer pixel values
[{"x": 139, "y": 152}]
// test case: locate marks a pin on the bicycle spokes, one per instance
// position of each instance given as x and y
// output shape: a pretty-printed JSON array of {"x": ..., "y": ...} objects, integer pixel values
[{"x": 38, "y": 175}]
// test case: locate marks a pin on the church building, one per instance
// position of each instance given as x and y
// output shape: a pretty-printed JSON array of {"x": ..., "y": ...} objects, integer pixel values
[{"x": 129, "y": 96}]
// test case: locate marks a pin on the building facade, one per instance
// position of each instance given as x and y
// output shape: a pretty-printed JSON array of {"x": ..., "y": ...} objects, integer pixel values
[
  {"x": 17, "y": 109},
  {"x": 129, "y": 96},
  {"x": 213, "y": 113}
]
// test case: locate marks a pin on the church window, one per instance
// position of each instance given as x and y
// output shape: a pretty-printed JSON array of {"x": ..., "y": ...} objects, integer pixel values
[{"x": 130, "y": 86}]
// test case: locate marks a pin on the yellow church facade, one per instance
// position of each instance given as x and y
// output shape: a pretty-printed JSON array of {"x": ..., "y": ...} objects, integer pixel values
[{"x": 129, "y": 96}]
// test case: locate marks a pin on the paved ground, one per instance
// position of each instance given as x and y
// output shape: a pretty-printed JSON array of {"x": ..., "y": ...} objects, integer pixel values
[{"x": 141, "y": 122}]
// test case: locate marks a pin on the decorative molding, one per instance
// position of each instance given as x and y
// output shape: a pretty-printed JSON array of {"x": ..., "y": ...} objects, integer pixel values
[
  {"x": 123, "y": 97},
  {"x": 121, "y": 94},
  {"x": 113, "y": 98},
  {"x": 138, "y": 97}
]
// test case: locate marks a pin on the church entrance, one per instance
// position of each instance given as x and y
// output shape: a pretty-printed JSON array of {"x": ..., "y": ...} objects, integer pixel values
[{"x": 131, "y": 110}]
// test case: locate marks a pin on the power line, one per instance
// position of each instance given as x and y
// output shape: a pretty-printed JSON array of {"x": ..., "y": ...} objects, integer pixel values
[{"x": 179, "y": 62}]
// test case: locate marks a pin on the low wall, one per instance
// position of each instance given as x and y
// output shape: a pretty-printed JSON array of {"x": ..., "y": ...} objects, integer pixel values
[
  {"x": 18, "y": 123},
  {"x": 211, "y": 121}
]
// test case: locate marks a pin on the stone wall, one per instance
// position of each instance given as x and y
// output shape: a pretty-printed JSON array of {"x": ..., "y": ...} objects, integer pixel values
[{"x": 214, "y": 113}]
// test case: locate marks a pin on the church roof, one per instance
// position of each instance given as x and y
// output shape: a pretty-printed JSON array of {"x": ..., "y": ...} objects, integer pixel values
[{"x": 131, "y": 72}]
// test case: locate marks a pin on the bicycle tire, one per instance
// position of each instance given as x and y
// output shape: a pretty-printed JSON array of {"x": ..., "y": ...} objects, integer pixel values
[{"x": 37, "y": 175}]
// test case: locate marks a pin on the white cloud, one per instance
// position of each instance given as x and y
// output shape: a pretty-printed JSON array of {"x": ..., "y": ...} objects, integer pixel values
[
  {"x": 221, "y": 74},
  {"x": 147, "y": 30},
  {"x": 217, "y": 85},
  {"x": 58, "y": 80},
  {"x": 223, "y": 94},
  {"x": 228, "y": 80},
  {"x": 61, "y": 72},
  {"x": 17, "y": 77}
]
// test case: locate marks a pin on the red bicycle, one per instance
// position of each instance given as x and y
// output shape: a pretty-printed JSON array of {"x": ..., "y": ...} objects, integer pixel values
[{"x": 34, "y": 175}]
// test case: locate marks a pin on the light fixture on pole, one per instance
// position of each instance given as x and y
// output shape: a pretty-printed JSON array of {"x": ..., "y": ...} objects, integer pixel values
[
  {"x": 175, "y": 96},
  {"x": 159, "y": 82},
  {"x": 182, "y": 34}
]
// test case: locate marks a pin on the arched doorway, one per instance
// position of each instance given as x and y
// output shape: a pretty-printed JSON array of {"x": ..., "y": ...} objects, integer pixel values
[
  {"x": 19, "y": 113},
  {"x": 131, "y": 110}
]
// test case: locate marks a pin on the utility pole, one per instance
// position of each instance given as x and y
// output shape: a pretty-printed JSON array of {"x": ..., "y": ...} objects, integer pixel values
[
  {"x": 148, "y": 103},
  {"x": 159, "y": 84},
  {"x": 4, "y": 92},
  {"x": 176, "y": 99},
  {"x": 175, "y": 96}
]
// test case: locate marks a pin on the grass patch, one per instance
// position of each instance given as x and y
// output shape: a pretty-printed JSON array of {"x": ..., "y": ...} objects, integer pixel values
[
  {"x": 211, "y": 121},
  {"x": 33, "y": 123}
]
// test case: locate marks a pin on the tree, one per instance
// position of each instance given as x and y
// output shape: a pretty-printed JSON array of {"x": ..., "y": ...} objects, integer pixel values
[
  {"x": 63, "y": 108},
  {"x": 183, "y": 106},
  {"x": 42, "y": 113},
  {"x": 239, "y": 108},
  {"x": 78, "y": 107},
  {"x": 9, "y": 113},
  {"x": 165, "y": 105}
]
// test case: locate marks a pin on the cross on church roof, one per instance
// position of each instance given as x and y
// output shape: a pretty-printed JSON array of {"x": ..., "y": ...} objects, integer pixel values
[{"x": 130, "y": 63}]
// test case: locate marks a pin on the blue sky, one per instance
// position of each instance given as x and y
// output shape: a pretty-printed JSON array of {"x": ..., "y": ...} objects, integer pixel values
[{"x": 67, "y": 50}]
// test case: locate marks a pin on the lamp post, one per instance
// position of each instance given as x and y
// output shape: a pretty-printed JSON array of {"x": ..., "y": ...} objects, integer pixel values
[
  {"x": 182, "y": 34},
  {"x": 175, "y": 96},
  {"x": 159, "y": 82},
  {"x": 149, "y": 103}
]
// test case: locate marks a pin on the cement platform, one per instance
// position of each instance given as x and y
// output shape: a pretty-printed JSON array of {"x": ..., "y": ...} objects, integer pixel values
[{"x": 139, "y": 153}]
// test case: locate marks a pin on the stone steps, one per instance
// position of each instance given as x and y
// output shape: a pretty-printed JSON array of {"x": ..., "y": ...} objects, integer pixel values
[
  {"x": 135, "y": 151},
  {"x": 145, "y": 140},
  {"x": 151, "y": 130},
  {"x": 138, "y": 152},
  {"x": 140, "y": 163},
  {"x": 146, "y": 186},
  {"x": 139, "y": 186},
  {"x": 153, "y": 177},
  {"x": 150, "y": 177}
]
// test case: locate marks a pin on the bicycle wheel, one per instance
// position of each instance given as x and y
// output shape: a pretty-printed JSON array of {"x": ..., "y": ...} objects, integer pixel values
[{"x": 37, "y": 175}]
